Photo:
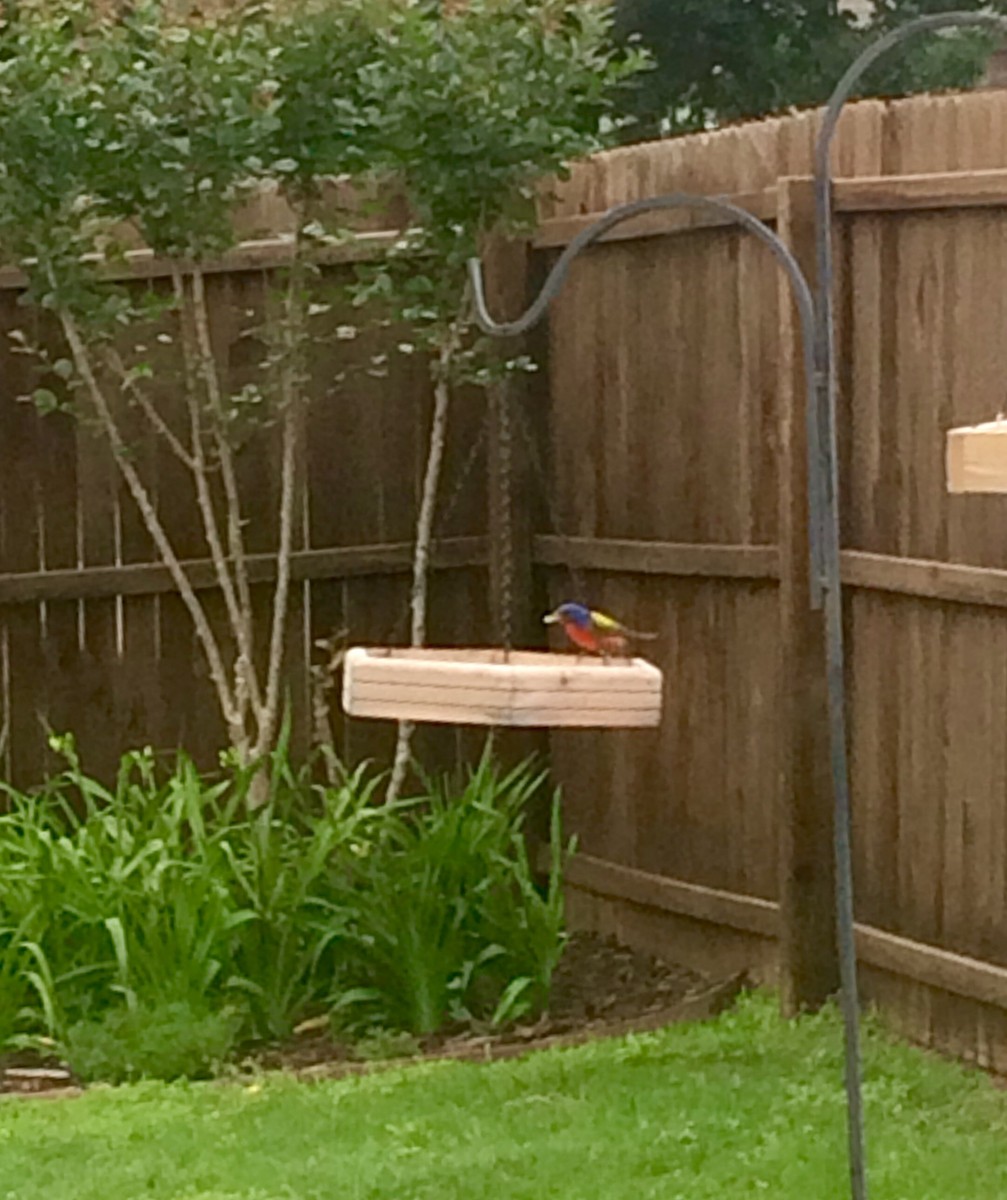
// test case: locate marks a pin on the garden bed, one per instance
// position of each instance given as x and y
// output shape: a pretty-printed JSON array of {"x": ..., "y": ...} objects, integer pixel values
[{"x": 600, "y": 989}]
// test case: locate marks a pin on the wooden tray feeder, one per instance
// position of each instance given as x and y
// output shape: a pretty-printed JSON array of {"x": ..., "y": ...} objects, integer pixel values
[
  {"x": 523, "y": 688},
  {"x": 977, "y": 457}
]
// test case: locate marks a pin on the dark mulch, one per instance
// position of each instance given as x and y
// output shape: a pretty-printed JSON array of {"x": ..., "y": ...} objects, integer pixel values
[
  {"x": 599, "y": 979},
  {"x": 600, "y": 989}
]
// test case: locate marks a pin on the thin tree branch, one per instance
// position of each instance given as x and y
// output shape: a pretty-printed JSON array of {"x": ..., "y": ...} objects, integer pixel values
[
  {"x": 156, "y": 530},
  {"x": 149, "y": 410},
  {"x": 400, "y": 762},
  {"x": 290, "y": 394},
  {"x": 211, "y": 528},
  {"x": 281, "y": 595},
  {"x": 428, "y": 500},
  {"x": 235, "y": 537},
  {"x": 419, "y": 591},
  {"x": 244, "y": 622}
]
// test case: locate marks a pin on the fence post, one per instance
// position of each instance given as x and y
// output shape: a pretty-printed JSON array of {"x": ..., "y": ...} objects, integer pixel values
[{"x": 809, "y": 969}]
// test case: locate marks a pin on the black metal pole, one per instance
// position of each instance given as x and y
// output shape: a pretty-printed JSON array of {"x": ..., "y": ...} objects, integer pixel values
[
  {"x": 825, "y": 465},
  {"x": 817, "y": 324}
]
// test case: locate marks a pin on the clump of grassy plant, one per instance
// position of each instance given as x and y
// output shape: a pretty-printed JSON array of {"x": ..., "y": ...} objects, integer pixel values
[
  {"x": 149, "y": 926},
  {"x": 447, "y": 920},
  {"x": 163, "y": 889}
]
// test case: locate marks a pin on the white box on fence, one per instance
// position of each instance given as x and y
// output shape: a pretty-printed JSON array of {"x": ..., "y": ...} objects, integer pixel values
[{"x": 977, "y": 458}]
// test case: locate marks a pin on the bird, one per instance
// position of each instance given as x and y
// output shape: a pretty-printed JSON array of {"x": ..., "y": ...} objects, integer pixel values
[{"x": 594, "y": 632}]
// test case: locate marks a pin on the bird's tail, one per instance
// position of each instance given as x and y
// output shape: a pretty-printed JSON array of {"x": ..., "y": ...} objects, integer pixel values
[{"x": 640, "y": 635}]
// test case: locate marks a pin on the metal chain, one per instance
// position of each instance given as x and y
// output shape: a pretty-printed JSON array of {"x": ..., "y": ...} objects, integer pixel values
[
  {"x": 556, "y": 523},
  {"x": 504, "y": 500},
  {"x": 505, "y": 431},
  {"x": 467, "y": 467}
]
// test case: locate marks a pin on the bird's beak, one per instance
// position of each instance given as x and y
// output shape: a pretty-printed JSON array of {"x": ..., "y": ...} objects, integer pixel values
[{"x": 551, "y": 619}]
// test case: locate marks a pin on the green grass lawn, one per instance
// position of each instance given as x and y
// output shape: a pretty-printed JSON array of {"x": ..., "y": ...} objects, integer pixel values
[{"x": 744, "y": 1106}]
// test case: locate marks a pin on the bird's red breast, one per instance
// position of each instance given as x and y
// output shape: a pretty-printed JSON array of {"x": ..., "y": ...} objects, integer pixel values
[
  {"x": 584, "y": 639},
  {"x": 593, "y": 642}
]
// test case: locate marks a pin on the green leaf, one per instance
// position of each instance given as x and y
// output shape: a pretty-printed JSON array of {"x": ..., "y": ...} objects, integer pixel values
[{"x": 45, "y": 401}]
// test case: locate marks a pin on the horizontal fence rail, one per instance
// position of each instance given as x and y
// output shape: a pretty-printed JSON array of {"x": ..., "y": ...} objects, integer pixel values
[
  {"x": 931, "y": 965},
  {"x": 943, "y": 191},
  {"x": 658, "y": 558},
  {"x": 150, "y": 579}
]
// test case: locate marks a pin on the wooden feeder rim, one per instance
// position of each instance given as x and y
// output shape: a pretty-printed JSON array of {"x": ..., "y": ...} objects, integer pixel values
[{"x": 491, "y": 686}]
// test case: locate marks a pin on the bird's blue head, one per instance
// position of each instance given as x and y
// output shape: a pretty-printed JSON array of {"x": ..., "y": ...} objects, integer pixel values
[{"x": 570, "y": 613}]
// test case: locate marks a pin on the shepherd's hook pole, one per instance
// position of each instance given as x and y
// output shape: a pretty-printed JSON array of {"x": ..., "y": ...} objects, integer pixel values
[
  {"x": 805, "y": 307},
  {"x": 826, "y": 486}
]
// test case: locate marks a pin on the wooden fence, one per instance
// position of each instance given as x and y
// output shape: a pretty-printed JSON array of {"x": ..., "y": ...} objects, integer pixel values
[
  {"x": 94, "y": 638},
  {"x": 670, "y": 421},
  {"x": 676, "y": 409}
]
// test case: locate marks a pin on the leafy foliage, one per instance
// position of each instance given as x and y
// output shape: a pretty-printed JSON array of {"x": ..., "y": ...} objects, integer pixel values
[
  {"x": 147, "y": 124},
  {"x": 164, "y": 1041},
  {"x": 163, "y": 890},
  {"x": 142, "y": 125},
  {"x": 492, "y": 101},
  {"x": 148, "y": 926},
  {"x": 189, "y": 112},
  {"x": 718, "y": 61},
  {"x": 447, "y": 922},
  {"x": 329, "y": 81},
  {"x": 113, "y": 127},
  {"x": 486, "y": 106}
]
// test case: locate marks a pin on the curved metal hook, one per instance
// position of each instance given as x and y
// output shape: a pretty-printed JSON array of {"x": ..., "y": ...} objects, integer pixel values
[
  {"x": 823, "y": 491},
  {"x": 740, "y": 216},
  {"x": 825, "y": 325},
  {"x": 826, "y": 486}
]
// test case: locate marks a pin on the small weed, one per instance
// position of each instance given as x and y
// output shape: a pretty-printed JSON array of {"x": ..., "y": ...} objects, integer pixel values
[
  {"x": 168, "y": 1041},
  {"x": 382, "y": 1044}
]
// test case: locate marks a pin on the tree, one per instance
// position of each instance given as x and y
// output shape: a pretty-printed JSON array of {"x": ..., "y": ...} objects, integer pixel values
[
  {"x": 140, "y": 124},
  {"x": 143, "y": 125},
  {"x": 482, "y": 107},
  {"x": 721, "y": 60}
]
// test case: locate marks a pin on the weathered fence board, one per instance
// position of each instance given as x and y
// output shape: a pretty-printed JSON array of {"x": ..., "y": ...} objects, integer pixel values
[
  {"x": 669, "y": 356},
  {"x": 94, "y": 639}
]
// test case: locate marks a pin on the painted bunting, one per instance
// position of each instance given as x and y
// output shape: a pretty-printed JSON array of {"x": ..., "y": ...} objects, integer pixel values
[{"x": 595, "y": 632}]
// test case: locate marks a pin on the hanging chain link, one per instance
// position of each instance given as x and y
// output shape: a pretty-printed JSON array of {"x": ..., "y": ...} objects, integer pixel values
[
  {"x": 467, "y": 467},
  {"x": 505, "y": 432},
  {"x": 505, "y": 500},
  {"x": 501, "y": 406},
  {"x": 556, "y": 523}
]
